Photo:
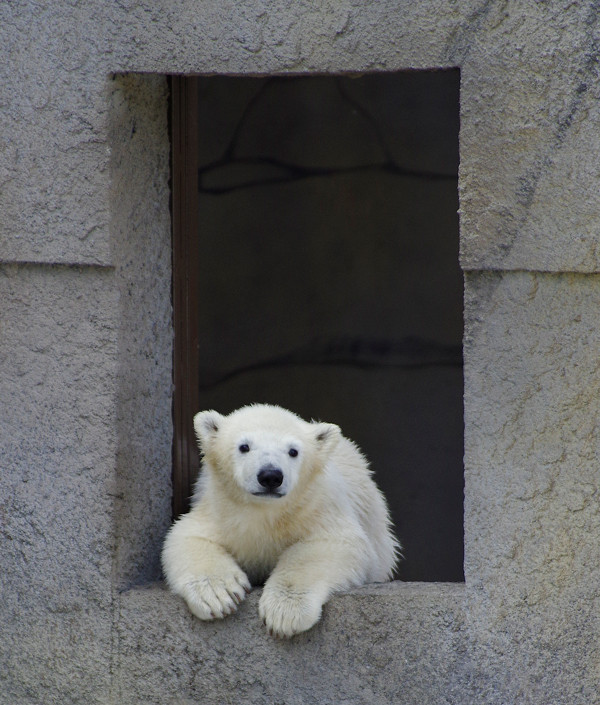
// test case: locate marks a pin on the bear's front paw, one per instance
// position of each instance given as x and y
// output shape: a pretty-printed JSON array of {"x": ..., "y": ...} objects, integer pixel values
[
  {"x": 215, "y": 596},
  {"x": 286, "y": 612}
]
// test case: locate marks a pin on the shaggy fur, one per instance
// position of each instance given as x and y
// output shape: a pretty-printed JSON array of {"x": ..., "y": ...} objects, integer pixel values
[{"x": 283, "y": 501}]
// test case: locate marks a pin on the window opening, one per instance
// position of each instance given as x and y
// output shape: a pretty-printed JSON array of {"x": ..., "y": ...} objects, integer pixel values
[{"x": 316, "y": 267}]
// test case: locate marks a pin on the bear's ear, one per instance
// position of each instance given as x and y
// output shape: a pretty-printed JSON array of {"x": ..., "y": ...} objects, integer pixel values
[
  {"x": 327, "y": 436},
  {"x": 206, "y": 425}
]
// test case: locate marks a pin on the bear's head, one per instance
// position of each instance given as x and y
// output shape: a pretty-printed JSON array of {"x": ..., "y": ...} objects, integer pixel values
[{"x": 267, "y": 451}]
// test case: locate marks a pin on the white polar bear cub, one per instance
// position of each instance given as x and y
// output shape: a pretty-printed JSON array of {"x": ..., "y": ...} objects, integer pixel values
[{"x": 282, "y": 500}]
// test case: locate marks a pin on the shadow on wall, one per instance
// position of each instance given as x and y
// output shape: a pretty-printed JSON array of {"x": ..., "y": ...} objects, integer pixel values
[{"x": 330, "y": 282}]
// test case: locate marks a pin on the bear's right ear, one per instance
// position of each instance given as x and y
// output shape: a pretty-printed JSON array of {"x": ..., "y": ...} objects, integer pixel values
[{"x": 206, "y": 425}]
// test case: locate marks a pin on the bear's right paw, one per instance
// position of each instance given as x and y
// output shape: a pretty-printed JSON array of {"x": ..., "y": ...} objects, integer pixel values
[{"x": 215, "y": 597}]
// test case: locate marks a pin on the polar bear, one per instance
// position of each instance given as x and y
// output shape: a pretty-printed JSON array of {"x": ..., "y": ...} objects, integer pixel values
[{"x": 280, "y": 501}]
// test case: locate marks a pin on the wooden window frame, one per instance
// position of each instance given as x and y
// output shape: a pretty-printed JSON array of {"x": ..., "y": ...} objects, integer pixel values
[{"x": 186, "y": 258}]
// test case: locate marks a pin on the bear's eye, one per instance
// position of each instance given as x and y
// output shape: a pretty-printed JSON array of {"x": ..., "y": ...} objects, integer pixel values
[
  {"x": 292, "y": 452},
  {"x": 244, "y": 448}
]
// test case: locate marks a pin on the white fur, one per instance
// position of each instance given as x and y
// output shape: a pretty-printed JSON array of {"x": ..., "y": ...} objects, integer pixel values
[{"x": 326, "y": 529}]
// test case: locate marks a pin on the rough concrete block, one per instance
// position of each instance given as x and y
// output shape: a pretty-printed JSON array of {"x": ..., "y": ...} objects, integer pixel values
[
  {"x": 58, "y": 355},
  {"x": 54, "y": 150},
  {"x": 532, "y": 519},
  {"x": 141, "y": 247},
  {"x": 529, "y": 155},
  {"x": 392, "y": 643}
]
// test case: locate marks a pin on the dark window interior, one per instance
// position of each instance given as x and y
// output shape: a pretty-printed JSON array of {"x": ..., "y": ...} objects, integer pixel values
[{"x": 321, "y": 273}]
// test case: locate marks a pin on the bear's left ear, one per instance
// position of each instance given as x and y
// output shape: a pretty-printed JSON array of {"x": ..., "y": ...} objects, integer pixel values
[
  {"x": 327, "y": 436},
  {"x": 206, "y": 425}
]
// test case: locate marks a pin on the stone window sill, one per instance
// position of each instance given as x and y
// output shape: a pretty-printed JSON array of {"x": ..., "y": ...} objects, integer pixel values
[{"x": 369, "y": 640}]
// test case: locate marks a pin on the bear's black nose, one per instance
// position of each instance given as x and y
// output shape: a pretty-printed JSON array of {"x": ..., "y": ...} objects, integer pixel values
[{"x": 270, "y": 477}]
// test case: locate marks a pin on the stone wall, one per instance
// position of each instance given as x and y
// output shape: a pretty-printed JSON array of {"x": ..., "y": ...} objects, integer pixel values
[{"x": 85, "y": 359}]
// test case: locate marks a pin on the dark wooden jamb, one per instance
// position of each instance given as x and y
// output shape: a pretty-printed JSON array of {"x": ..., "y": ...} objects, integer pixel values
[{"x": 184, "y": 146}]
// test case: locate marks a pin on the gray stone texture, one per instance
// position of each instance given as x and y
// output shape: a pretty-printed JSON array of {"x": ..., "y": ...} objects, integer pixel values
[
  {"x": 358, "y": 653},
  {"x": 532, "y": 519},
  {"x": 58, "y": 353},
  {"x": 140, "y": 231},
  {"x": 85, "y": 359}
]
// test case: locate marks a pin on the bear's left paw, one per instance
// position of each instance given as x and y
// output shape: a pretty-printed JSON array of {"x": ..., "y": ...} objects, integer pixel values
[{"x": 286, "y": 612}]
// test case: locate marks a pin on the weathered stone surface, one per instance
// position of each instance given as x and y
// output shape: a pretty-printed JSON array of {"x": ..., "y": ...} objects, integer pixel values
[
  {"x": 529, "y": 196},
  {"x": 533, "y": 401},
  {"x": 53, "y": 151},
  {"x": 285, "y": 36},
  {"x": 532, "y": 518},
  {"x": 380, "y": 644},
  {"x": 85, "y": 441},
  {"x": 141, "y": 244},
  {"x": 529, "y": 180},
  {"x": 383, "y": 644},
  {"x": 58, "y": 354},
  {"x": 85, "y": 356}
]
